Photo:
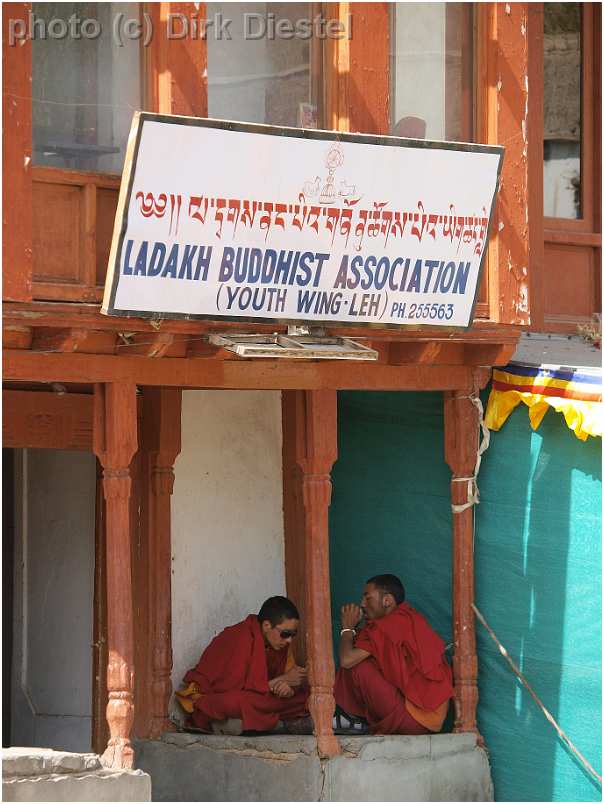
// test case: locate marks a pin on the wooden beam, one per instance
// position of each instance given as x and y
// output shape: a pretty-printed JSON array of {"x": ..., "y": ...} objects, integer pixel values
[
  {"x": 55, "y": 314},
  {"x": 17, "y": 337},
  {"x": 20, "y": 365},
  {"x": 161, "y": 444},
  {"x": 503, "y": 118},
  {"x": 16, "y": 155},
  {"x": 115, "y": 442},
  {"x": 46, "y": 420},
  {"x": 317, "y": 425},
  {"x": 461, "y": 445},
  {"x": 369, "y": 79},
  {"x": 177, "y": 67}
]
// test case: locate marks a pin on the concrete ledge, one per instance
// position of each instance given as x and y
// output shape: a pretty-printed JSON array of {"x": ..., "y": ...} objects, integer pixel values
[
  {"x": 41, "y": 774},
  {"x": 195, "y": 767}
]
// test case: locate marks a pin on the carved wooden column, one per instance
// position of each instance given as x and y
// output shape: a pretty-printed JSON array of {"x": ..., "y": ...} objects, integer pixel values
[
  {"x": 115, "y": 442},
  {"x": 161, "y": 439},
  {"x": 461, "y": 445},
  {"x": 318, "y": 422}
]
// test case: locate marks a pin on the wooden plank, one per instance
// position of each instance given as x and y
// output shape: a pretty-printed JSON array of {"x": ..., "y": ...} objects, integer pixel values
[
  {"x": 16, "y": 158},
  {"x": 537, "y": 279},
  {"x": 570, "y": 238},
  {"x": 337, "y": 71},
  {"x": 52, "y": 175},
  {"x": 45, "y": 420},
  {"x": 20, "y": 365},
  {"x": 176, "y": 69},
  {"x": 88, "y": 315},
  {"x": 507, "y": 124},
  {"x": 369, "y": 80}
]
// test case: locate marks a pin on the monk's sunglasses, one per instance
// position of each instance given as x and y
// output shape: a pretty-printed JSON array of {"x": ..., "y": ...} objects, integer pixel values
[{"x": 286, "y": 633}]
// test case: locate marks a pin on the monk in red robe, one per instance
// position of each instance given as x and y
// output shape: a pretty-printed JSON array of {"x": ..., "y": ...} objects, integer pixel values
[
  {"x": 246, "y": 679},
  {"x": 393, "y": 672}
]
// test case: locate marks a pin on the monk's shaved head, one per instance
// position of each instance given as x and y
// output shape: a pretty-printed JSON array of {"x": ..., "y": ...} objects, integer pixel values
[
  {"x": 277, "y": 609},
  {"x": 390, "y": 584}
]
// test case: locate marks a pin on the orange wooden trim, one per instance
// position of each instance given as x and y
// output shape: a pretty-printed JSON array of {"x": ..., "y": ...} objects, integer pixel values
[
  {"x": 46, "y": 420},
  {"x": 89, "y": 236},
  {"x": 59, "y": 291},
  {"x": 461, "y": 444},
  {"x": 507, "y": 124},
  {"x": 53, "y": 175},
  {"x": 293, "y": 510},
  {"x": 21, "y": 365},
  {"x": 115, "y": 442},
  {"x": 52, "y": 314},
  {"x": 483, "y": 67},
  {"x": 176, "y": 69},
  {"x": 337, "y": 71},
  {"x": 161, "y": 442},
  {"x": 369, "y": 76},
  {"x": 16, "y": 158},
  {"x": 317, "y": 426},
  {"x": 593, "y": 239},
  {"x": 459, "y": 25},
  {"x": 535, "y": 153}
]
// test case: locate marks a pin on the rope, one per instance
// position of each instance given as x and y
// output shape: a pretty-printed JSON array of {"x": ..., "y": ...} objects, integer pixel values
[
  {"x": 535, "y": 697},
  {"x": 473, "y": 495}
]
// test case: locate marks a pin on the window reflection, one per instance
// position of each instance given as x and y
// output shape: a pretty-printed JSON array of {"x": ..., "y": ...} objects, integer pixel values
[
  {"x": 562, "y": 110},
  {"x": 84, "y": 88},
  {"x": 431, "y": 73},
  {"x": 258, "y": 77}
]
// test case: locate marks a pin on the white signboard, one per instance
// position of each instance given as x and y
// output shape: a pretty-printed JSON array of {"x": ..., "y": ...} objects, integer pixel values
[{"x": 227, "y": 220}]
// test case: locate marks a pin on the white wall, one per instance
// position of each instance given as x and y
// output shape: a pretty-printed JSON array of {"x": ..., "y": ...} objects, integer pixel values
[
  {"x": 227, "y": 516},
  {"x": 53, "y": 605}
]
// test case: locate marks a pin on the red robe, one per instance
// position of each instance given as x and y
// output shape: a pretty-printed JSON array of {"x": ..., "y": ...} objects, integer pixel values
[
  {"x": 233, "y": 674},
  {"x": 407, "y": 662}
]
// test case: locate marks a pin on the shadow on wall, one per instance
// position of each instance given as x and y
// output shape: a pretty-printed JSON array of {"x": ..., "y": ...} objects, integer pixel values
[
  {"x": 538, "y": 571},
  {"x": 390, "y": 509}
]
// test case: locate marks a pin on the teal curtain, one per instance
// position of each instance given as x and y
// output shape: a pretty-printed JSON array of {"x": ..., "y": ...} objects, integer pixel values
[{"x": 538, "y": 569}]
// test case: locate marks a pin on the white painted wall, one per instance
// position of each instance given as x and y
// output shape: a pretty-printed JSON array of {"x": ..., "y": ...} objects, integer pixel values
[
  {"x": 53, "y": 605},
  {"x": 227, "y": 516}
]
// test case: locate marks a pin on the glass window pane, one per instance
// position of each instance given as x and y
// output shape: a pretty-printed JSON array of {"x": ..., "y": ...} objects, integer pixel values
[
  {"x": 256, "y": 74},
  {"x": 85, "y": 86},
  {"x": 432, "y": 71},
  {"x": 562, "y": 110}
]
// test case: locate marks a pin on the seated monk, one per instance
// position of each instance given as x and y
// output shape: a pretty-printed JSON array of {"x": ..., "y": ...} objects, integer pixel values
[
  {"x": 393, "y": 672},
  {"x": 246, "y": 679}
]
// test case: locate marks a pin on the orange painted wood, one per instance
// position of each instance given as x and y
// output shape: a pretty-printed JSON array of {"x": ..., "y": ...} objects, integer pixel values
[
  {"x": 461, "y": 445},
  {"x": 572, "y": 238},
  {"x": 502, "y": 117},
  {"x": 318, "y": 434},
  {"x": 537, "y": 279},
  {"x": 176, "y": 69},
  {"x": 292, "y": 406},
  {"x": 72, "y": 229},
  {"x": 161, "y": 442},
  {"x": 369, "y": 79},
  {"x": 46, "y": 420},
  {"x": 22, "y": 365},
  {"x": 55, "y": 314},
  {"x": 16, "y": 159},
  {"x": 337, "y": 71},
  {"x": 115, "y": 443}
]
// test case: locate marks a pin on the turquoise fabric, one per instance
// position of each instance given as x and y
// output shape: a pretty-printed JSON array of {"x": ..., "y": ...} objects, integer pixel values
[{"x": 538, "y": 569}]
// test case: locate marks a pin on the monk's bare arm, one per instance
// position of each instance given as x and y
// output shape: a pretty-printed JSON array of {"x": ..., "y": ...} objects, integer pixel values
[{"x": 349, "y": 655}]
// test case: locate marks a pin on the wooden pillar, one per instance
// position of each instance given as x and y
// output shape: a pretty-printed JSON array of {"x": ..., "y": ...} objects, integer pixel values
[
  {"x": 115, "y": 442},
  {"x": 461, "y": 446},
  {"x": 317, "y": 423},
  {"x": 161, "y": 439}
]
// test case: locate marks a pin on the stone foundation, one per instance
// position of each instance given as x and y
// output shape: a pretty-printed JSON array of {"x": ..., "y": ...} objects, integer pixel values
[
  {"x": 194, "y": 767},
  {"x": 41, "y": 774}
]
